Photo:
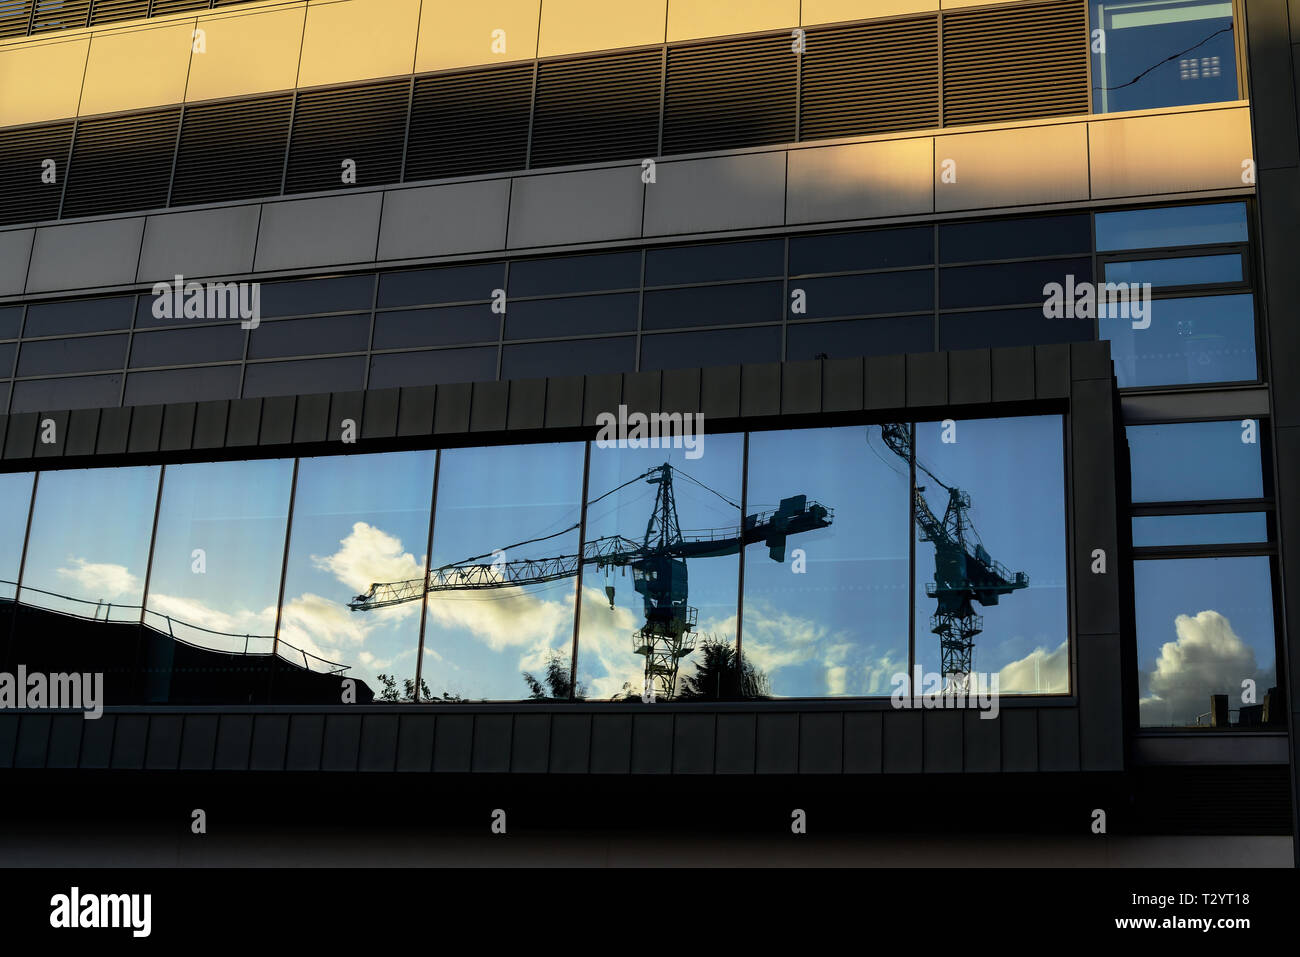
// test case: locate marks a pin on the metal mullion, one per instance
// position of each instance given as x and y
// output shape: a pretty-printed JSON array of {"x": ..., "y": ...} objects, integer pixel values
[
  {"x": 284, "y": 562},
  {"x": 1223, "y": 550},
  {"x": 740, "y": 576},
  {"x": 582, "y": 545},
  {"x": 153, "y": 542},
  {"x": 428, "y": 562}
]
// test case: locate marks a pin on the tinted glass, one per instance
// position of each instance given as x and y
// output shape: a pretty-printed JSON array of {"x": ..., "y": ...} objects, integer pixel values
[
  {"x": 826, "y": 610},
  {"x": 430, "y": 368},
  {"x": 548, "y": 277},
  {"x": 862, "y": 337},
  {"x": 8, "y": 351},
  {"x": 1213, "y": 529},
  {"x": 874, "y": 294},
  {"x": 446, "y": 326},
  {"x": 85, "y": 315},
  {"x": 1192, "y": 461},
  {"x": 1204, "y": 626},
  {"x": 1008, "y": 327},
  {"x": 1163, "y": 53},
  {"x": 47, "y": 356},
  {"x": 1187, "y": 271},
  {"x": 183, "y": 346},
  {"x": 1207, "y": 339},
  {"x": 183, "y": 385},
  {"x": 297, "y": 337},
  {"x": 506, "y": 505},
  {"x": 714, "y": 262},
  {"x": 78, "y": 392},
  {"x": 706, "y": 491},
  {"x": 541, "y": 318},
  {"x": 718, "y": 347},
  {"x": 1008, "y": 283},
  {"x": 11, "y": 320},
  {"x": 305, "y": 376},
  {"x": 350, "y": 531},
  {"x": 1172, "y": 226},
  {"x": 448, "y": 284},
  {"x": 341, "y": 294},
  {"x": 568, "y": 358},
  {"x": 1012, "y": 469},
  {"x": 1014, "y": 238},
  {"x": 15, "y": 501},
  {"x": 853, "y": 252},
  {"x": 713, "y": 305}
]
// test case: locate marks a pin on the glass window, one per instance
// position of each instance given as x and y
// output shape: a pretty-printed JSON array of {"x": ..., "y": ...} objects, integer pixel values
[
  {"x": 1172, "y": 226},
  {"x": 183, "y": 346},
  {"x": 499, "y": 508},
  {"x": 686, "y": 600},
  {"x": 873, "y": 294},
  {"x": 215, "y": 580},
  {"x": 861, "y": 337},
  {"x": 11, "y": 320},
  {"x": 854, "y": 252},
  {"x": 198, "y": 384},
  {"x": 541, "y": 318},
  {"x": 47, "y": 356},
  {"x": 575, "y": 357},
  {"x": 826, "y": 606},
  {"x": 717, "y": 347},
  {"x": 1219, "y": 528},
  {"x": 1195, "y": 461},
  {"x": 446, "y": 284},
  {"x": 713, "y": 305},
  {"x": 7, "y": 352},
  {"x": 444, "y": 326},
  {"x": 1162, "y": 53},
  {"x": 1204, "y": 628},
  {"x": 1007, "y": 283},
  {"x": 305, "y": 376},
  {"x": 1181, "y": 271},
  {"x": 1014, "y": 238},
  {"x": 89, "y": 543},
  {"x": 77, "y": 392},
  {"x": 715, "y": 262},
  {"x": 357, "y": 520},
  {"x": 568, "y": 274},
  {"x": 1009, "y": 327},
  {"x": 1002, "y": 482},
  {"x": 15, "y": 502},
  {"x": 1203, "y": 339},
  {"x": 84, "y": 315},
  {"x": 304, "y": 297},
  {"x": 297, "y": 337},
  {"x": 430, "y": 368}
]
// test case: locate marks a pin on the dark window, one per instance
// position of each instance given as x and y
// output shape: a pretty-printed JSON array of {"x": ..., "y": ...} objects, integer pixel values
[
  {"x": 551, "y": 277},
  {"x": 713, "y": 305},
  {"x": 182, "y": 346},
  {"x": 862, "y": 337},
  {"x": 430, "y": 368},
  {"x": 873, "y": 294},
  {"x": 716, "y": 262},
  {"x": 853, "y": 252},
  {"x": 1214, "y": 528},
  {"x": 1172, "y": 226},
  {"x": 1014, "y": 238},
  {"x": 445, "y": 326},
  {"x": 1192, "y": 461},
  {"x": 11, "y": 320},
  {"x": 576, "y": 357},
  {"x": 78, "y": 392},
  {"x": 1205, "y": 339},
  {"x": 1009, "y": 327},
  {"x": 296, "y": 337},
  {"x": 541, "y": 318},
  {"x": 182, "y": 385},
  {"x": 48, "y": 356},
  {"x": 305, "y": 376},
  {"x": 1178, "y": 271},
  {"x": 447, "y": 284},
  {"x": 7, "y": 351},
  {"x": 84, "y": 315},
  {"x": 719, "y": 347},
  {"x": 340, "y": 294},
  {"x": 1007, "y": 284}
]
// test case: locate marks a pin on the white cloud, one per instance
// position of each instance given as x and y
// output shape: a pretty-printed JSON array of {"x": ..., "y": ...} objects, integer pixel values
[
  {"x": 1039, "y": 672},
  {"x": 100, "y": 580},
  {"x": 368, "y": 555},
  {"x": 1206, "y": 658}
]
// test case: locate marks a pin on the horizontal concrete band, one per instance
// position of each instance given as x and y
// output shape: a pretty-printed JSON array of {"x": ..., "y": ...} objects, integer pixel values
[
  {"x": 882, "y": 178},
  {"x": 271, "y": 46}
]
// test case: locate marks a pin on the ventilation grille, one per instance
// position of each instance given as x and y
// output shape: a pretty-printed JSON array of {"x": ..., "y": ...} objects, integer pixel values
[
  {"x": 232, "y": 150},
  {"x": 162, "y": 7},
  {"x": 108, "y": 11},
  {"x": 468, "y": 123},
  {"x": 365, "y": 124},
  {"x": 15, "y": 17},
  {"x": 60, "y": 15},
  {"x": 23, "y": 197},
  {"x": 599, "y": 108},
  {"x": 730, "y": 94},
  {"x": 121, "y": 163},
  {"x": 871, "y": 78},
  {"x": 1015, "y": 63}
]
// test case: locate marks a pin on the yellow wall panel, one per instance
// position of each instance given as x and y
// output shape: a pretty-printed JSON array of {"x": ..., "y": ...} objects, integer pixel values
[
  {"x": 689, "y": 19},
  {"x": 835, "y": 11},
  {"x": 255, "y": 53},
  {"x": 1012, "y": 167},
  {"x": 1170, "y": 153},
  {"x": 461, "y": 34},
  {"x": 358, "y": 40},
  {"x": 41, "y": 81},
  {"x": 576, "y": 26},
  {"x": 137, "y": 68}
]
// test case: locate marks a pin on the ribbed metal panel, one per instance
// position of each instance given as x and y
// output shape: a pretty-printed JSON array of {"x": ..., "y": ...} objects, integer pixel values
[
  {"x": 466, "y": 123},
  {"x": 870, "y": 78},
  {"x": 23, "y": 197},
  {"x": 366, "y": 124},
  {"x": 121, "y": 163},
  {"x": 1014, "y": 63},
  {"x": 597, "y": 108},
  {"x": 109, "y": 11},
  {"x": 232, "y": 150},
  {"x": 730, "y": 94},
  {"x": 15, "y": 17},
  {"x": 162, "y": 7},
  {"x": 60, "y": 15}
]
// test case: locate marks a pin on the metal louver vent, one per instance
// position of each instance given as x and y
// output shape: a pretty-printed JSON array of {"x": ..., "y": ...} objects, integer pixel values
[
  {"x": 870, "y": 78},
  {"x": 162, "y": 7},
  {"x": 729, "y": 94},
  {"x": 1014, "y": 63},
  {"x": 15, "y": 17},
  {"x": 108, "y": 11},
  {"x": 24, "y": 198},
  {"x": 60, "y": 15},
  {"x": 232, "y": 150},
  {"x": 597, "y": 108},
  {"x": 364, "y": 124},
  {"x": 469, "y": 123},
  {"x": 121, "y": 163}
]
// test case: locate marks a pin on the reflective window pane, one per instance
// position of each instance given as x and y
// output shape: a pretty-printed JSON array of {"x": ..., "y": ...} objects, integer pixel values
[
  {"x": 11, "y": 320},
  {"x": 662, "y": 602},
  {"x": 826, "y": 609},
  {"x": 1204, "y": 339},
  {"x": 860, "y": 337},
  {"x": 716, "y": 347},
  {"x": 1014, "y": 238},
  {"x": 873, "y": 294},
  {"x": 713, "y": 305},
  {"x": 52, "y": 356},
  {"x": 1163, "y": 53},
  {"x": 297, "y": 337},
  {"x": 1184, "y": 271},
  {"x": 74, "y": 392},
  {"x": 357, "y": 520},
  {"x": 580, "y": 316},
  {"x": 1194, "y": 461},
  {"x": 182, "y": 385},
  {"x": 1172, "y": 226},
  {"x": 304, "y": 297},
  {"x": 430, "y": 368},
  {"x": 1009, "y": 327},
  {"x": 714, "y": 262},
  {"x": 1218, "y": 528},
  {"x": 446, "y": 284},
  {"x": 1008, "y": 283},
  {"x": 176, "y": 347},
  {"x": 305, "y": 376},
  {"x": 444, "y": 326},
  {"x": 83, "y": 315},
  {"x": 1204, "y": 626},
  {"x": 15, "y": 502},
  {"x": 568, "y": 274},
  {"x": 575, "y": 357},
  {"x": 854, "y": 252},
  {"x": 508, "y": 505},
  {"x": 1002, "y": 583}
]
